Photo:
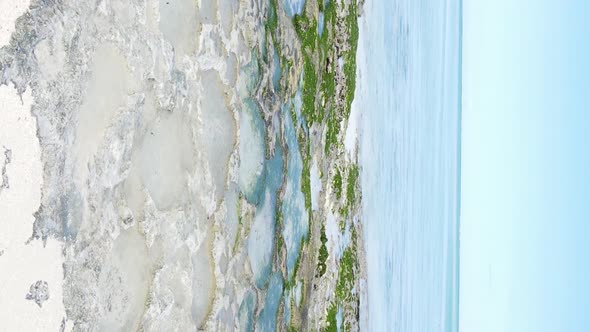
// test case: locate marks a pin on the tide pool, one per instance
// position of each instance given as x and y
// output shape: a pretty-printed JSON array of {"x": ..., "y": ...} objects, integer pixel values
[
  {"x": 408, "y": 95},
  {"x": 294, "y": 7}
]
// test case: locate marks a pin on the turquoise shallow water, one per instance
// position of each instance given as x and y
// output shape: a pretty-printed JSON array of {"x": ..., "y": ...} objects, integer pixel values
[{"x": 409, "y": 96}]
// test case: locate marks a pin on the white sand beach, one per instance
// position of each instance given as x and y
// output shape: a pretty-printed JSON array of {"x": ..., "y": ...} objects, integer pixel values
[{"x": 23, "y": 264}]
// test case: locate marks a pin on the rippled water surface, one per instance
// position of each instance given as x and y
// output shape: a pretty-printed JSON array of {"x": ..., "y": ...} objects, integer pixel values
[{"x": 409, "y": 98}]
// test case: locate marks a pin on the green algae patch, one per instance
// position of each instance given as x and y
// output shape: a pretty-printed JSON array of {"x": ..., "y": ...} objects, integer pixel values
[
  {"x": 337, "y": 184},
  {"x": 306, "y": 183},
  {"x": 329, "y": 21},
  {"x": 333, "y": 129},
  {"x": 350, "y": 56},
  {"x": 306, "y": 29},
  {"x": 310, "y": 81},
  {"x": 346, "y": 274},
  {"x": 331, "y": 322},
  {"x": 323, "y": 253},
  {"x": 272, "y": 20},
  {"x": 351, "y": 186}
]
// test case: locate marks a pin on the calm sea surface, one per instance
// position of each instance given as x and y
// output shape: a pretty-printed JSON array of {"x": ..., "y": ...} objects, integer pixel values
[{"x": 409, "y": 96}]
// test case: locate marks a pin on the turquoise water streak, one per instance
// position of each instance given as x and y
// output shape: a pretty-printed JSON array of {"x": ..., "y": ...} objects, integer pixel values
[{"x": 409, "y": 93}]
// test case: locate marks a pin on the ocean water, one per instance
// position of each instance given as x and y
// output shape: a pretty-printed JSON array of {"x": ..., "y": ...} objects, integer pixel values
[{"x": 409, "y": 93}]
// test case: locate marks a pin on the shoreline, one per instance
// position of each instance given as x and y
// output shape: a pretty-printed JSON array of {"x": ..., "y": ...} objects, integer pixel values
[{"x": 341, "y": 189}]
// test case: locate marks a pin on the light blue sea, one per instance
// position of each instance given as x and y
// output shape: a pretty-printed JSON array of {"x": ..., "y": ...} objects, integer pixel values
[{"x": 409, "y": 97}]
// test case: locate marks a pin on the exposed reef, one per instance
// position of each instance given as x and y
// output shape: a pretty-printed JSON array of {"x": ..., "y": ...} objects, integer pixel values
[{"x": 194, "y": 161}]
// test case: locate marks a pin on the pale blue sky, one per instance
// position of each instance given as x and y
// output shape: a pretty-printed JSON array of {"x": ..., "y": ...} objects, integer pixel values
[{"x": 525, "y": 232}]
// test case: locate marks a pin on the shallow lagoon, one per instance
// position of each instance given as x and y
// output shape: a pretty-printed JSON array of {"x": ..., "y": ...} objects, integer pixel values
[{"x": 295, "y": 217}]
